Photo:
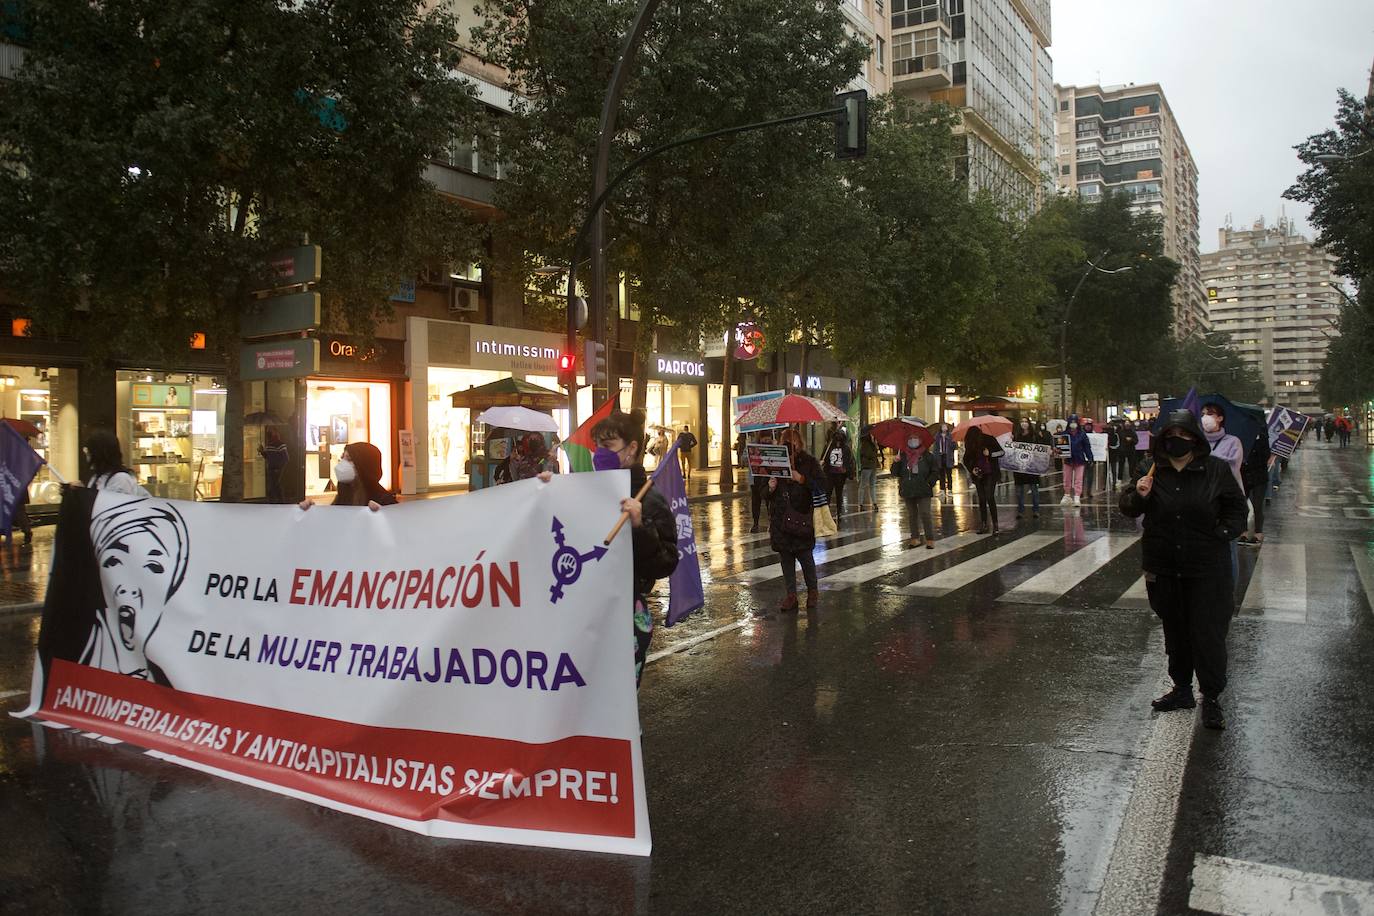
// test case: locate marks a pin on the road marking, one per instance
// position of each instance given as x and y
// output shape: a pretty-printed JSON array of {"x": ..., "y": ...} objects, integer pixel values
[
  {"x": 956, "y": 577},
  {"x": 1070, "y": 571},
  {"x": 733, "y": 541},
  {"x": 865, "y": 572},
  {"x": 767, "y": 573},
  {"x": 759, "y": 553},
  {"x": 5, "y": 695},
  {"x": 1364, "y": 566},
  {"x": 694, "y": 641},
  {"x": 1232, "y": 887},
  {"x": 1134, "y": 597},
  {"x": 1278, "y": 586}
]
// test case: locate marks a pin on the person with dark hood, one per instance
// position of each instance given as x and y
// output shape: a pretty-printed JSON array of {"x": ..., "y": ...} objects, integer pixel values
[
  {"x": 532, "y": 458},
  {"x": 918, "y": 474},
  {"x": 1254, "y": 474},
  {"x": 1193, "y": 509},
  {"x": 839, "y": 468},
  {"x": 1026, "y": 432},
  {"x": 273, "y": 452},
  {"x": 359, "y": 475},
  {"x": 621, "y": 443},
  {"x": 981, "y": 454},
  {"x": 791, "y": 525},
  {"x": 106, "y": 460}
]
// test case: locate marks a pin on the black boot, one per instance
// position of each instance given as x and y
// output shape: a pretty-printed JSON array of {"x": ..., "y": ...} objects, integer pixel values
[
  {"x": 1212, "y": 716},
  {"x": 1178, "y": 698}
]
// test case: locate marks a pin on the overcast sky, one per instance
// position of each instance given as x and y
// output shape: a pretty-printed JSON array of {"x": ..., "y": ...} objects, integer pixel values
[{"x": 1246, "y": 79}]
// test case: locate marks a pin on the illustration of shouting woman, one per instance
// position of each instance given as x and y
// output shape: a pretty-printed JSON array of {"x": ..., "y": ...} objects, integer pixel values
[{"x": 141, "y": 549}]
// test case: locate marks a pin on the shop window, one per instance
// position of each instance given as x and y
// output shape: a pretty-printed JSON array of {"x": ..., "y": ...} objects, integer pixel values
[
  {"x": 42, "y": 404},
  {"x": 340, "y": 411},
  {"x": 171, "y": 427}
]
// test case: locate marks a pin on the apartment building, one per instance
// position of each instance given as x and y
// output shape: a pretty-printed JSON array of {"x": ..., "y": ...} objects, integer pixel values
[
  {"x": 988, "y": 59},
  {"x": 1125, "y": 139},
  {"x": 1273, "y": 291},
  {"x": 867, "y": 19}
]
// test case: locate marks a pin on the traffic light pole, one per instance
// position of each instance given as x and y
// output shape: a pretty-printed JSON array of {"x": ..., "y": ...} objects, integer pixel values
[{"x": 594, "y": 212}]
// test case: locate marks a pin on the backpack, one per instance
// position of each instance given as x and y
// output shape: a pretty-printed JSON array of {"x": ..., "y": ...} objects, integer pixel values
[{"x": 836, "y": 458}]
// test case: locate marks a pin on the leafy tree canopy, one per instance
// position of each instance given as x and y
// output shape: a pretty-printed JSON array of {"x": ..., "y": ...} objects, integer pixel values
[{"x": 1340, "y": 189}]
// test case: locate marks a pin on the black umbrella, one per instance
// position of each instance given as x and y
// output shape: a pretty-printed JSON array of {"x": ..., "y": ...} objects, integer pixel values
[{"x": 263, "y": 418}]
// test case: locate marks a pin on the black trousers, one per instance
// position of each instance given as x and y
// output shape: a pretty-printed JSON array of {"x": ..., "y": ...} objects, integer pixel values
[
  {"x": 836, "y": 492},
  {"x": 1120, "y": 466},
  {"x": 758, "y": 492},
  {"x": 987, "y": 499},
  {"x": 1196, "y": 614},
  {"x": 1257, "y": 502},
  {"x": 947, "y": 478}
]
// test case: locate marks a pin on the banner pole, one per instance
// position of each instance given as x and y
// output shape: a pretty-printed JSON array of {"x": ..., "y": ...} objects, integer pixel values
[{"x": 624, "y": 515}]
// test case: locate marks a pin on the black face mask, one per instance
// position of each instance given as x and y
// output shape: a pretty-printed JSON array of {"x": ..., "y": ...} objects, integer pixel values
[{"x": 1177, "y": 447}]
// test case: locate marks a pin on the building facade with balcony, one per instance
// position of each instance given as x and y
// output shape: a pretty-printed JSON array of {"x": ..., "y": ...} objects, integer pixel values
[
  {"x": 988, "y": 59},
  {"x": 867, "y": 20},
  {"x": 1275, "y": 294},
  {"x": 1125, "y": 139}
]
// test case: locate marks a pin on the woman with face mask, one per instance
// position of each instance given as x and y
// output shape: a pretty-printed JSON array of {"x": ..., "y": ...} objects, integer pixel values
[
  {"x": 1224, "y": 445},
  {"x": 791, "y": 531},
  {"x": 918, "y": 474},
  {"x": 1193, "y": 509},
  {"x": 620, "y": 443},
  {"x": 1026, "y": 432},
  {"x": 359, "y": 475},
  {"x": 1080, "y": 456}
]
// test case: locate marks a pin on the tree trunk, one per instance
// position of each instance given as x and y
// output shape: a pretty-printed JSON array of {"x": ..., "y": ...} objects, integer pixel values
[
  {"x": 639, "y": 385},
  {"x": 727, "y": 444},
  {"x": 863, "y": 403},
  {"x": 805, "y": 363},
  {"x": 231, "y": 485},
  {"x": 908, "y": 392}
]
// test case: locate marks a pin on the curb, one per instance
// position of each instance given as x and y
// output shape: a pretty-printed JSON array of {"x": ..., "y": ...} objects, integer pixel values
[{"x": 32, "y": 607}]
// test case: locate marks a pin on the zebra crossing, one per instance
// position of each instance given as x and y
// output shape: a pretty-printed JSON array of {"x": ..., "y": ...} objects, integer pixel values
[{"x": 1275, "y": 589}]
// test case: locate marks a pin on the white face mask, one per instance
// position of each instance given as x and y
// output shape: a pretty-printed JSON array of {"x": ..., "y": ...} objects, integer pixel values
[
  {"x": 1209, "y": 423},
  {"x": 913, "y": 443},
  {"x": 344, "y": 472},
  {"x": 1073, "y": 426}
]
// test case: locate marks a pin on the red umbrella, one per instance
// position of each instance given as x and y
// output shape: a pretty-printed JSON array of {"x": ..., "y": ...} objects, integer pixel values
[
  {"x": 894, "y": 433},
  {"x": 993, "y": 426},
  {"x": 22, "y": 427},
  {"x": 792, "y": 408}
]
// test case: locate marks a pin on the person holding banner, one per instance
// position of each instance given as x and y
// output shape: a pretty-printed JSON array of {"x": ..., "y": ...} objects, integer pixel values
[
  {"x": 791, "y": 522},
  {"x": 620, "y": 442},
  {"x": 359, "y": 475},
  {"x": 106, "y": 460},
  {"x": 981, "y": 453},
  {"x": 1026, "y": 432},
  {"x": 1193, "y": 510}
]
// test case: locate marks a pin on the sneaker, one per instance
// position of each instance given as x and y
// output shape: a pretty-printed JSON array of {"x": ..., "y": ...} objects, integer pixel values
[
  {"x": 930, "y": 545},
  {"x": 1077, "y": 501},
  {"x": 1212, "y": 716},
  {"x": 1066, "y": 500},
  {"x": 1178, "y": 698}
]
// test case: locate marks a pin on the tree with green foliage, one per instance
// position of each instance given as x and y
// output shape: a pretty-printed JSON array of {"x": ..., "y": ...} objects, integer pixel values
[
  {"x": 1211, "y": 363},
  {"x": 155, "y": 154},
  {"x": 1347, "y": 377},
  {"x": 1338, "y": 184}
]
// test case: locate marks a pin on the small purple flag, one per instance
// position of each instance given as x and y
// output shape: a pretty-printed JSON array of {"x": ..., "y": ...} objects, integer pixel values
[
  {"x": 18, "y": 463},
  {"x": 685, "y": 594},
  {"x": 1191, "y": 402}
]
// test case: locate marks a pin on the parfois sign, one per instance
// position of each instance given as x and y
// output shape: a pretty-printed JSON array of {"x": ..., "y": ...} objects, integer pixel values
[{"x": 417, "y": 665}]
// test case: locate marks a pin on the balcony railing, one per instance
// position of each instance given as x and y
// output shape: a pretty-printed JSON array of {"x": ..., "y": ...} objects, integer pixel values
[
  {"x": 926, "y": 71},
  {"x": 11, "y": 59}
]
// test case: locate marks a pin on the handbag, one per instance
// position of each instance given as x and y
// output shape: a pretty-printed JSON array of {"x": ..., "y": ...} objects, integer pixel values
[
  {"x": 822, "y": 522},
  {"x": 793, "y": 521}
]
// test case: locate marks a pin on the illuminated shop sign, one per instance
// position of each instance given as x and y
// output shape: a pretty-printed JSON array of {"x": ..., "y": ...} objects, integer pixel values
[{"x": 676, "y": 366}]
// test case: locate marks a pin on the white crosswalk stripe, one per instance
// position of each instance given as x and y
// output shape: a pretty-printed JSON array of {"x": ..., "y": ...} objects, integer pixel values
[
  {"x": 1278, "y": 587},
  {"x": 1134, "y": 597},
  {"x": 866, "y": 572},
  {"x": 824, "y": 556},
  {"x": 956, "y": 577},
  {"x": 724, "y": 560},
  {"x": 1070, "y": 571}
]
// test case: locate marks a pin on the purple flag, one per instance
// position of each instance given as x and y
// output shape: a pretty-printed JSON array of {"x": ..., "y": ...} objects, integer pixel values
[
  {"x": 1191, "y": 402},
  {"x": 18, "y": 463},
  {"x": 685, "y": 594}
]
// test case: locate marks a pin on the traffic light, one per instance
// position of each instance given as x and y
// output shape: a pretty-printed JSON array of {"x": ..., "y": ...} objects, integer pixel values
[
  {"x": 851, "y": 124},
  {"x": 594, "y": 364},
  {"x": 567, "y": 371}
]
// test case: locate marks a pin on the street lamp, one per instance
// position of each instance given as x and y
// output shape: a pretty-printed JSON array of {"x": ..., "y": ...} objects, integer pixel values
[
  {"x": 1064, "y": 326},
  {"x": 1341, "y": 157}
]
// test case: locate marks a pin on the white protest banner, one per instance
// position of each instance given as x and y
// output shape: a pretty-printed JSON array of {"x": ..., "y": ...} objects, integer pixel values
[
  {"x": 1098, "y": 443},
  {"x": 425, "y": 666},
  {"x": 768, "y": 460},
  {"x": 1027, "y": 458}
]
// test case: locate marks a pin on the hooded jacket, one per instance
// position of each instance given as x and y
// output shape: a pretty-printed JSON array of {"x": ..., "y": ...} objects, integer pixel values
[
  {"x": 839, "y": 443},
  {"x": 917, "y": 475},
  {"x": 367, "y": 485},
  {"x": 1190, "y": 515},
  {"x": 1080, "y": 449}
]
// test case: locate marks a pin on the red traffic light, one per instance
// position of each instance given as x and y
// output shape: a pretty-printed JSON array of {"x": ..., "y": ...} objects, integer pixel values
[{"x": 565, "y": 362}]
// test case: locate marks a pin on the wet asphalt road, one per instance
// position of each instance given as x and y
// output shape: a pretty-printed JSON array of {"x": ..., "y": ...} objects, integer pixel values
[{"x": 972, "y": 748}]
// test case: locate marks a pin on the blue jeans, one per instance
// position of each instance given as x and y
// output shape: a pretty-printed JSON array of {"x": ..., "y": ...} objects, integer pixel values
[
  {"x": 1021, "y": 497},
  {"x": 868, "y": 487}
]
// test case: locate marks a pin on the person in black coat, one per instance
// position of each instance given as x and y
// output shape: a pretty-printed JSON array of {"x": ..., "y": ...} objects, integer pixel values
[
  {"x": 1026, "y": 432},
  {"x": 791, "y": 529},
  {"x": 839, "y": 468},
  {"x": 981, "y": 454},
  {"x": 1193, "y": 509},
  {"x": 1124, "y": 459},
  {"x": 653, "y": 528},
  {"x": 1254, "y": 475}
]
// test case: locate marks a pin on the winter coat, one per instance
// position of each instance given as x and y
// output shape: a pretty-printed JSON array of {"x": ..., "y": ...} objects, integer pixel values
[
  {"x": 918, "y": 482},
  {"x": 1037, "y": 438},
  {"x": 1080, "y": 450},
  {"x": 1113, "y": 439},
  {"x": 1129, "y": 440},
  {"x": 798, "y": 495},
  {"x": 943, "y": 449},
  {"x": 655, "y": 540},
  {"x": 1254, "y": 472},
  {"x": 839, "y": 449},
  {"x": 869, "y": 454},
  {"x": 1191, "y": 516},
  {"x": 973, "y": 452},
  {"x": 367, "y": 485}
]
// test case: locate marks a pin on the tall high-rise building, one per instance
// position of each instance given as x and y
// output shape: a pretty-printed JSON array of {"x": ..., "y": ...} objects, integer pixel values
[
  {"x": 987, "y": 58},
  {"x": 1271, "y": 289},
  {"x": 867, "y": 20},
  {"x": 1125, "y": 139}
]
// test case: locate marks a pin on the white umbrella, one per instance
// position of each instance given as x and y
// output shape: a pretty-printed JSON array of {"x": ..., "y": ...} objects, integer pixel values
[{"x": 518, "y": 418}]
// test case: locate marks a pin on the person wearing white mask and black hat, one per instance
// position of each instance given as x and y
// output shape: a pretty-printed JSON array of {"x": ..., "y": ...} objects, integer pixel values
[{"x": 1193, "y": 509}]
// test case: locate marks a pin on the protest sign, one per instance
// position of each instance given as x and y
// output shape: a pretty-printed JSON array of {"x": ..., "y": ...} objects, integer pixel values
[
  {"x": 1285, "y": 430},
  {"x": 1027, "y": 458},
  {"x": 1098, "y": 443},
  {"x": 768, "y": 460},
  {"x": 1062, "y": 447},
  {"x": 746, "y": 401},
  {"x": 421, "y": 666}
]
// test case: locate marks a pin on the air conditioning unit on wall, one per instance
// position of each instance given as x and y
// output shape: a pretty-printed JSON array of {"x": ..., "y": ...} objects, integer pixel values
[{"x": 463, "y": 299}]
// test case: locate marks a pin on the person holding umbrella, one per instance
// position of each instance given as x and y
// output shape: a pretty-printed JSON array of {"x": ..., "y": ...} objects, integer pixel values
[
  {"x": 791, "y": 524},
  {"x": 918, "y": 473},
  {"x": 981, "y": 454}
]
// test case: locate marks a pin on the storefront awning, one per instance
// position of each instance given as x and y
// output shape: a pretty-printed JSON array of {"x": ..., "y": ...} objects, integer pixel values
[
  {"x": 509, "y": 392},
  {"x": 992, "y": 403}
]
